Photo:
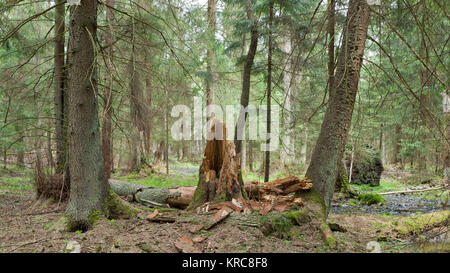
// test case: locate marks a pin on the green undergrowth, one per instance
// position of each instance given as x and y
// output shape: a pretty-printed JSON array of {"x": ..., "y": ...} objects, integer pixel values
[
  {"x": 161, "y": 181},
  {"x": 420, "y": 178},
  {"x": 16, "y": 180},
  {"x": 255, "y": 176},
  {"x": 385, "y": 186},
  {"x": 415, "y": 224}
]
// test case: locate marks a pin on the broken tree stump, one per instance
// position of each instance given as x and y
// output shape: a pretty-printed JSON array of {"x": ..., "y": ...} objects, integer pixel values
[{"x": 218, "y": 176}]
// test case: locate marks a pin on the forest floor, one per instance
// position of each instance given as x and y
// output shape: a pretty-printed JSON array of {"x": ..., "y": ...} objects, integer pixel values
[{"x": 27, "y": 225}]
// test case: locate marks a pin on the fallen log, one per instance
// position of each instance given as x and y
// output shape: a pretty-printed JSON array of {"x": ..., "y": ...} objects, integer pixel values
[{"x": 155, "y": 197}]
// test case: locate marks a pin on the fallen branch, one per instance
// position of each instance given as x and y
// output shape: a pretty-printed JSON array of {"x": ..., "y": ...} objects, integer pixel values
[{"x": 411, "y": 191}]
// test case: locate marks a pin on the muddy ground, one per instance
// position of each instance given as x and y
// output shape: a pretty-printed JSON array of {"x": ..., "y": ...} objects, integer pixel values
[{"x": 27, "y": 225}]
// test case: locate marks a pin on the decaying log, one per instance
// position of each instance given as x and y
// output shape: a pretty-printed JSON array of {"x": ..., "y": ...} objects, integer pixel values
[
  {"x": 156, "y": 197},
  {"x": 282, "y": 186}
]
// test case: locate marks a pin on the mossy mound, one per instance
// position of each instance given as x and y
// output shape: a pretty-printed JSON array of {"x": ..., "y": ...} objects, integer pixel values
[
  {"x": 367, "y": 167},
  {"x": 371, "y": 199},
  {"x": 280, "y": 224}
]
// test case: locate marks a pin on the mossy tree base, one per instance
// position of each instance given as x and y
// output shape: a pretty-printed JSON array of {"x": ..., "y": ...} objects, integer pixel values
[
  {"x": 113, "y": 207},
  {"x": 317, "y": 211}
]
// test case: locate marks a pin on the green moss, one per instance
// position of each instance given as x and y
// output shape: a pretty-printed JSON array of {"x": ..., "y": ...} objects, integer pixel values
[
  {"x": 298, "y": 217},
  {"x": 117, "y": 208},
  {"x": 314, "y": 197},
  {"x": 94, "y": 217},
  {"x": 277, "y": 224},
  {"x": 331, "y": 242},
  {"x": 328, "y": 235},
  {"x": 62, "y": 224},
  {"x": 371, "y": 199}
]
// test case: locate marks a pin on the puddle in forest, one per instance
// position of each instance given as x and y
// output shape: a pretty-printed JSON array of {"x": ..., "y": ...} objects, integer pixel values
[{"x": 395, "y": 204}]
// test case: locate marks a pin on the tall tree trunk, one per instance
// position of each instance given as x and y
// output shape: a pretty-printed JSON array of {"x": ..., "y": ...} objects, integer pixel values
[
  {"x": 37, "y": 143},
  {"x": 329, "y": 148},
  {"x": 244, "y": 146},
  {"x": 250, "y": 156},
  {"x": 50, "y": 160},
  {"x": 304, "y": 148},
  {"x": 425, "y": 80},
  {"x": 59, "y": 82},
  {"x": 331, "y": 27},
  {"x": 287, "y": 152},
  {"x": 398, "y": 133},
  {"x": 210, "y": 58},
  {"x": 269, "y": 95},
  {"x": 107, "y": 109},
  {"x": 136, "y": 108},
  {"x": 148, "y": 95},
  {"x": 245, "y": 94},
  {"x": 446, "y": 110},
  {"x": 20, "y": 153},
  {"x": 166, "y": 125},
  {"x": 89, "y": 187},
  {"x": 382, "y": 144}
]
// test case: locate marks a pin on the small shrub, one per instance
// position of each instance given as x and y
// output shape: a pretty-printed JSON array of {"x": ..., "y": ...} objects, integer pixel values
[{"x": 371, "y": 199}]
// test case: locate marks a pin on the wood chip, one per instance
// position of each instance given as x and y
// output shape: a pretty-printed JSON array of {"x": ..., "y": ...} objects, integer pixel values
[
  {"x": 155, "y": 216},
  {"x": 198, "y": 239},
  {"x": 195, "y": 228},
  {"x": 219, "y": 216},
  {"x": 266, "y": 207},
  {"x": 281, "y": 206},
  {"x": 185, "y": 245},
  {"x": 237, "y": 205}
]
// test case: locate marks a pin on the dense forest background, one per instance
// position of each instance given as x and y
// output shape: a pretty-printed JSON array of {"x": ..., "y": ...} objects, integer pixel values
[
  {"x": 87, "y": 90},
  {"x": 154, "y": 55}
]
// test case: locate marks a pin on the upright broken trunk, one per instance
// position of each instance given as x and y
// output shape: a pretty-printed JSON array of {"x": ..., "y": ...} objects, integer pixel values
[
  {"x": 218, "y": 177},
  {"x": 328, "y": 152}
]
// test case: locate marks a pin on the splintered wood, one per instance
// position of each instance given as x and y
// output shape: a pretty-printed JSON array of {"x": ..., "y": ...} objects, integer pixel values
[
  {"x": 276, "y": 195},
  {"x": 218, "y": 175},
  {"x": 155, "y": 216},
  {"x": 282, "y": 186}
]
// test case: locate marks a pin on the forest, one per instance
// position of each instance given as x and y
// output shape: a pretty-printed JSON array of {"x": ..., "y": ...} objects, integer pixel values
[{"x": 224, "y": 126}]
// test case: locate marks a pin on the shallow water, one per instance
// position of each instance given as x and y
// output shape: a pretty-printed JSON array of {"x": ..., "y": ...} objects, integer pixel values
[{"x": 395, "y": 204}]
